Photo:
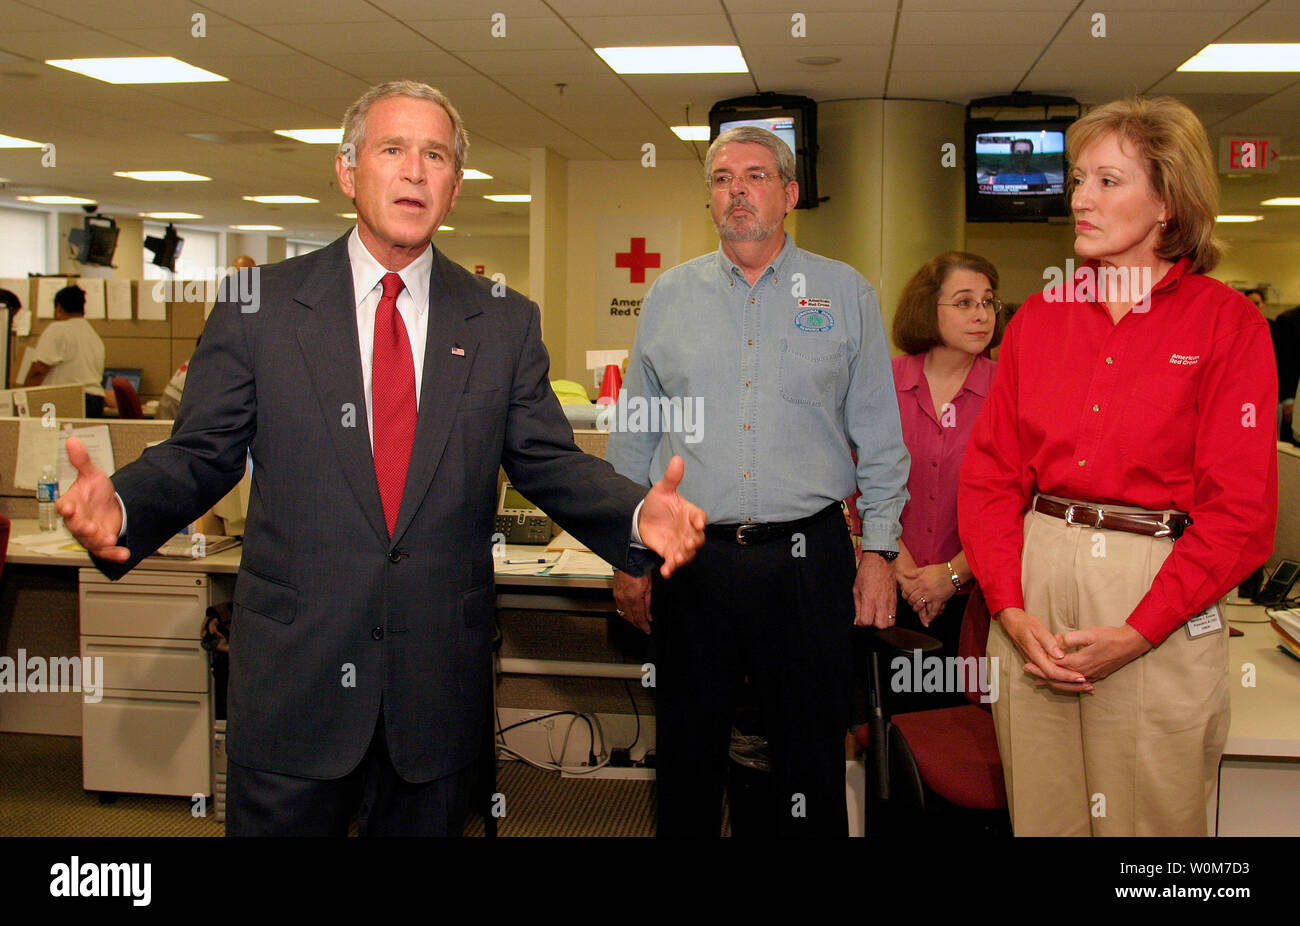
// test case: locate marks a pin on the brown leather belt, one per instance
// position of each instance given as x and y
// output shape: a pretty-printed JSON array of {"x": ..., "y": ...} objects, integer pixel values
[
  {"x": 746, "y": 534},
  {"x": 1151, "y": 524}
]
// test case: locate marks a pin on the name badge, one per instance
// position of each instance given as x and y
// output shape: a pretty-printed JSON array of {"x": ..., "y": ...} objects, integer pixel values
[{"x": 1208, "y": 621}]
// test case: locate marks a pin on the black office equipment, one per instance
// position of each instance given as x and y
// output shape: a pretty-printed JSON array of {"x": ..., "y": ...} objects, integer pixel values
[
  {"x": 130, "y": 374},
  {"x": 1279, "y": 584},
  {"x": 95, "y": 241},
  {"x": 1016, "y": 167},
  {"x": 791, "y": 118},
  {"x": 519, "y": 519},
  {"x": 165, "y": 249}
]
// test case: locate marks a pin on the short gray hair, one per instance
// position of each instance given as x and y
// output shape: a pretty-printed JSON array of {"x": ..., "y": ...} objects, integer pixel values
[
  {"x": 354, "y": 120},
  {"x": 754, "y": 135}
]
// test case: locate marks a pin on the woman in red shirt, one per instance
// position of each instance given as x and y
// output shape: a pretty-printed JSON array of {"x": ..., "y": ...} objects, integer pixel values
[
  {"x": 1121, "y": 478},
  {"x": 947, "y": 316}
]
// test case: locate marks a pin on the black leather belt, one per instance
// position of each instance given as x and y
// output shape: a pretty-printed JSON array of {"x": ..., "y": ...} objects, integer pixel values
[
  {"x": 1151, "y": 524},
  {"x": 746, "y": 534}
]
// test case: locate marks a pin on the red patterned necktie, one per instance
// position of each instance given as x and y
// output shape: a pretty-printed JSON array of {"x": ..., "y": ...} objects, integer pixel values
[{"x": 392, "y": 392}]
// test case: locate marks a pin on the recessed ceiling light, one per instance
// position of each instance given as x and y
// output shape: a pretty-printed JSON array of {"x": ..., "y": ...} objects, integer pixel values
[
  {"x": 169, "y": 215},
  {"x": 281, "y": 199},
  {"x": 346, "y": 215},
  {"x": 510, "y": 197},
  {"x": 675, "y": 59},
  {"x": 818, "y": 60},
  {"x": 472, "y": 174},
  {"x": 58, "y": 200},
  {"x": 446, "y": 228},
  {"x": 160, "y": 176},
  {"x": 313, "y": 136},
  {"x": 10, "y": 141},
  {"x": 1239, "y": 218},
  {"x": 1245, "y": 58},
  {"x": 1282, "y": 201},
  {"x": 166, "y": 70},
  {"x": 691, "y": 132},
  {"x": 257, "y": 228}
]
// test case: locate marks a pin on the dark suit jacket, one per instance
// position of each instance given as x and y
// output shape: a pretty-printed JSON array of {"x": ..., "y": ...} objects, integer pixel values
[{"x": 329, "y": 615}]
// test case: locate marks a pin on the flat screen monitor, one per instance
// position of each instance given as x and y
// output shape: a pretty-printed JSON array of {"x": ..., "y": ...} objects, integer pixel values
[
  {"x": 95, "y": 241},
  {"x": 130, "y": 374},
  {"x": 1015, "y": 170},
  {"x": 793, "y": 119}
]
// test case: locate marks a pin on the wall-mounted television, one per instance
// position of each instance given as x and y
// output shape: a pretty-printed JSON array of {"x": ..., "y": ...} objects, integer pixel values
[
  {"x": 793, "y": 119},
  {"x": 1016, "y": 170},
  {"x": 165, "y": 249},
  {"x": 95, "y": 241}
]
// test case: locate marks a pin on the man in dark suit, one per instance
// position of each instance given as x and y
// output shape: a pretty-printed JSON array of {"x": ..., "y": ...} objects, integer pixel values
[{"x": 377, "y": 386}]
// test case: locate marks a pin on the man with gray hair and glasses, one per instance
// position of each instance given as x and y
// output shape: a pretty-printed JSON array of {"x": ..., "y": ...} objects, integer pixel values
[{"x": 785, "y": 351}]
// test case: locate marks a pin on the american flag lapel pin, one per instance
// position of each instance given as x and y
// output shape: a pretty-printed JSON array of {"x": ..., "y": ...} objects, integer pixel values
[{"x": 457, "y": 350}]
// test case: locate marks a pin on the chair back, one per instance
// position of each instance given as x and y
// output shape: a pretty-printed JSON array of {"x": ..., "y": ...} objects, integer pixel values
[
  {"x": 128, "y": 401},
  {"x": 973, "y": 642}
]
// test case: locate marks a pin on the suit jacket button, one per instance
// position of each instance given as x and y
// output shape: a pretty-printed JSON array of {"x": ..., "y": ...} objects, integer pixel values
[
  {"x": 377, "y": 633},
  {"x": 395, "y": 557}
]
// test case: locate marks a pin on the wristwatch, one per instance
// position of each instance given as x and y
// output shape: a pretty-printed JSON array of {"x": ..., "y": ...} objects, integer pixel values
[{"x": 889, "y": 555}]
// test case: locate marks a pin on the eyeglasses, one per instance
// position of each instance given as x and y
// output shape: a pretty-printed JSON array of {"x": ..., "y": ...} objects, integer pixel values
[
  {"x": 723, "y": 181},
  {"x": 967, "y": 306}
]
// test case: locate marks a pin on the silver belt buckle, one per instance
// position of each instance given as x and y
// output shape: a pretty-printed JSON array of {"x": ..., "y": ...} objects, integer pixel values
[{"x": 1069, "y": 516}]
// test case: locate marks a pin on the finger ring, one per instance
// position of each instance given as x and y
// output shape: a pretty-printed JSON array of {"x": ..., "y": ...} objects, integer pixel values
[
  {"x": 923, "y": 601},
  {"x": 891, "y": 618}
]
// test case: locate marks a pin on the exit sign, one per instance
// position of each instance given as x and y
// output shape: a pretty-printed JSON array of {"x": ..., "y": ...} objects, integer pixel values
[{"x": 1249, "y": 154}]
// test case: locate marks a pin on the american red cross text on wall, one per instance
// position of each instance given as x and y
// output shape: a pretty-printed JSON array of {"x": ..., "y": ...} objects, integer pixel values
[{"x": 636, "y": 259}]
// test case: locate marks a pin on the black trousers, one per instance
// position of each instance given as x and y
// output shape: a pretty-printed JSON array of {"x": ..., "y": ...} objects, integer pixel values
[
  {"x": 272, "y": 804},
  {"x": 778, "y": 615}
]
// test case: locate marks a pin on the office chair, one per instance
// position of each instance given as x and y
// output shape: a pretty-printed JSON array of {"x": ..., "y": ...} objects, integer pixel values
[
  {"x": 128, "y": 401},
  {"x": 945, "y": 763}
]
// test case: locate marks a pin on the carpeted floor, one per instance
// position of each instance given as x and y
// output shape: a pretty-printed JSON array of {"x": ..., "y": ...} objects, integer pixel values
[{"x": 41, "y": 795}]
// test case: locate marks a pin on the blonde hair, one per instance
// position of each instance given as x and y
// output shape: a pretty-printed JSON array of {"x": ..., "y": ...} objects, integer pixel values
[{"x": 1173, "y": 144}]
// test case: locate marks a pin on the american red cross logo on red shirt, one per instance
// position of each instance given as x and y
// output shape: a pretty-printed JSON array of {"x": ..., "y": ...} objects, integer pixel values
[{"x": 636, "y": 259}]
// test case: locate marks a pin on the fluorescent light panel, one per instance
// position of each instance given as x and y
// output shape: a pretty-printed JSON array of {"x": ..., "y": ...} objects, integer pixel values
[
  {"x": 1239, "y": 218},
  {"x": 160, "y": 176},
  {"x": 170, "y": 215},
  {"x": 1282, "y": 201},
  {"x": 11, "y": 141},
  {"x": 278, "y": 199},
  {"x": 675, "y": 59},
  {"x": 1244, "y": 58},
  {"x": 58, "y": 200},
  {"x": 472, "y": 174},
  {"x": 691, "y": 132},
  {"x": 257, "y": 228},
  {"x": 313, "y": 136},
  {"x": 166, "y": 70},
  {"x": 509, "y": 197}
]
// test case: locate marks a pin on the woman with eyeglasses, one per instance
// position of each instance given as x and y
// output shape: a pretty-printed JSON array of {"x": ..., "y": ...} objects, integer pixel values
[
  {"x": 947, "y": 317},
  {"x": 1122, "y": 477}
]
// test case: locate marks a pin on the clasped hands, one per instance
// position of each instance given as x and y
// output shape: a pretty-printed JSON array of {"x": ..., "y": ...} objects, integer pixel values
[{"x": 1072, "y": 661}]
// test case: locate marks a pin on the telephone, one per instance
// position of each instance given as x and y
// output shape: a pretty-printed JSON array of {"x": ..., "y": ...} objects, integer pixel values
[
  {"x": 519, "y": 519},
  {"x": 1279, "y": 583}
]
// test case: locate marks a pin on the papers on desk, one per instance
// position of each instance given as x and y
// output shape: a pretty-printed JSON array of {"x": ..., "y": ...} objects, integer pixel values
[
  {"x": 524, "y": 561},
  {"x": 40, "y": 446},
  {"x": 565, "y": 541},
  {"x": 577, "y": 563},
  {"x": 49, "y": 542}
]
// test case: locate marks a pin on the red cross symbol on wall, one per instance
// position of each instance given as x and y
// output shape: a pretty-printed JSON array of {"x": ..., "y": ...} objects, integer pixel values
[{"x": 636, "y": 259}]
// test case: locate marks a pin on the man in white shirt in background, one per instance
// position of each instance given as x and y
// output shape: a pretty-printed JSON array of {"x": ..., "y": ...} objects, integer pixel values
[{"x": 70, "y": 351}]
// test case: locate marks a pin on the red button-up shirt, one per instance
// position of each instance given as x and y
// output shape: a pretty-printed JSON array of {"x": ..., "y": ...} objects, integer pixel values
[
  {"x": 1171, "y": 408},
  {"x": 936, "y": 442}
]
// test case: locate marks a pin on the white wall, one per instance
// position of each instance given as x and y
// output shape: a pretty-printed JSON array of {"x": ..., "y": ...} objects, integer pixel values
[{"x": 504, "y": 254}]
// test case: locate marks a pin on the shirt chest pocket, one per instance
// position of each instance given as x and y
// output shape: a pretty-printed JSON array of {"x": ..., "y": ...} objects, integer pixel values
[{"x": 811, "y": 371}]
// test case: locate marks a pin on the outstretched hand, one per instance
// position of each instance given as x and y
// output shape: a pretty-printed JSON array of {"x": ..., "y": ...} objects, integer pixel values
[
  {"x": 90, "y": 509},
  {"x": 669, "y": 524}
]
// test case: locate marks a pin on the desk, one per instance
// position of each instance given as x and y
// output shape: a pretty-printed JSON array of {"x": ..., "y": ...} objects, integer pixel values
[{"x": 1259, "y": 776}]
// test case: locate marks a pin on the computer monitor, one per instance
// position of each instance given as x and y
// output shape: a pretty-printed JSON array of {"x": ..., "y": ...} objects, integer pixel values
[{"x": 130, "y": 374}]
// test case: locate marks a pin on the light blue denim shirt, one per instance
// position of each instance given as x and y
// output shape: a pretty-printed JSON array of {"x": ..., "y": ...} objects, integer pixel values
[{"x": 764, "y": 391}]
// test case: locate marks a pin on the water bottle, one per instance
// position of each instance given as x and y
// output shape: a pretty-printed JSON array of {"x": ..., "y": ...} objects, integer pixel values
[{"x": 47, "y": 493}]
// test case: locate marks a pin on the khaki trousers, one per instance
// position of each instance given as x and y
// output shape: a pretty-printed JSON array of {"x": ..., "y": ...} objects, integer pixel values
[{"x": 1138, "y": 756}]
